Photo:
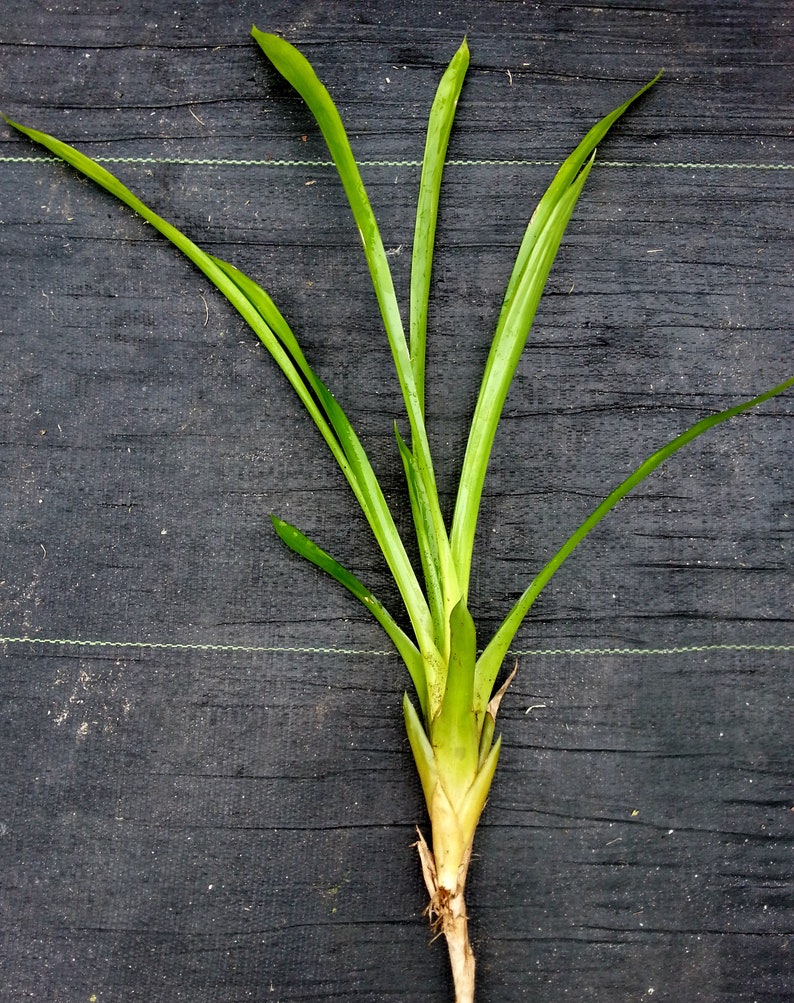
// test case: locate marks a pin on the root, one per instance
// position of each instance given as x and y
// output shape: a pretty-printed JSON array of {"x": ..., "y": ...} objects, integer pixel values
[{"x": 447, "y": 914}]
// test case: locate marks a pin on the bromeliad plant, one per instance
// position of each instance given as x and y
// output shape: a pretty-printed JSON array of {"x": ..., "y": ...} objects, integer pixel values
[{"x": 451, "y": 722}]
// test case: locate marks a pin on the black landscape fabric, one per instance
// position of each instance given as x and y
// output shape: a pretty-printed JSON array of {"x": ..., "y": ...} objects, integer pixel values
[{"x": 206, "y": 792}]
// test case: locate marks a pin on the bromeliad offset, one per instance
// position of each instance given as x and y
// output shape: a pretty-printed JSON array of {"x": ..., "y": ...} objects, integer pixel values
[{"x": 451, "y": 721}]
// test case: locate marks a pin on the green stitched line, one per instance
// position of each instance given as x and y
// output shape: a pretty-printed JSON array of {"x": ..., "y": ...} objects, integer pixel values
[
  {"x": 197, "y": 646},
  {"x": 224, "y": 162},
  {"x": 259, "y": 649},
  {"x": 684, "y": 650}
]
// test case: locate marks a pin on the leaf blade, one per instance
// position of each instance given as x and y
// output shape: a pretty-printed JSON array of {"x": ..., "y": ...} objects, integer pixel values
[
  {"x": 309, "y": 551},
  {"x": 260, "y": 312},
  {"x": 442, "y": 114},
  {"x": 297, "y": 70},
  {"x": 491, "y": 658},
  {"x": 358, "y": 468},
  {"x": 525, "y": 288}
]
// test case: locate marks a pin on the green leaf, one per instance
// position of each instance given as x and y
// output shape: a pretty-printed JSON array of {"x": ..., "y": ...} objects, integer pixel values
[
  {"x": 428, "y": 547},
  {"x": 454, "y": 730},
  {"x": 533, "y": 263},
  {"x": 421, "y": 749},
  {"x": 491, "y": 659},
  {"x": 234, "y": 286},
  {"x": 309, "y": 550},
  {"x": 356, "y": 466},
  {"x": 297, "y": 70},
  {"x": 261, "y": 313},
  {"x": 565, "y": 177},
  {"x": 439, "y": 128}
]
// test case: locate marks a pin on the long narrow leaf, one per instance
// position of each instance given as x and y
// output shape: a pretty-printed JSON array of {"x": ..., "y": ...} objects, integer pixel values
[
  {"x": 442, "y": 114},
  {"x": 506, "y": 350},
  {"x": 363, "y": 480},
  {"x": 296, "y": 69},
  {"x": 309, "y": 550},
  {"x": 564, "y": 177},
  {"x": 259, "y": 311},
  {"x": 528, "y": 279},
  {"x": 491, "y": 659},
  {"x": 215, "y": 270},
  {"x": 298, "y": 72},
  {"x": 428, "y": 550}
]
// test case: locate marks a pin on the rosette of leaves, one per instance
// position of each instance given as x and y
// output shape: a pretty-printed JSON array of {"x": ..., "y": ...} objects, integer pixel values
[{"x": 451, "y": 717}]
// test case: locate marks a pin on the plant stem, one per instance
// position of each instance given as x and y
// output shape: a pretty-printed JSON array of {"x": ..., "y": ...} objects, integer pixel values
[
  {"x": 461, "y": 957},
  {"x": 447, "y": 913}
]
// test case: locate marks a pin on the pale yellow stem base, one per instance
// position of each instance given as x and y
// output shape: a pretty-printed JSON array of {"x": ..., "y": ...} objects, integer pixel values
[{"x": 447, "y": 913}]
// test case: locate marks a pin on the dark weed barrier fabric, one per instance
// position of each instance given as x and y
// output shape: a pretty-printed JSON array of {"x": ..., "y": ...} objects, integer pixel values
[{"x": 206, "y": 792}]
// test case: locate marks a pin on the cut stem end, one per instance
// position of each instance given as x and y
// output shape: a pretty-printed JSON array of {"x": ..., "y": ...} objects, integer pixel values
[{"x": 446, "y": 911}]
